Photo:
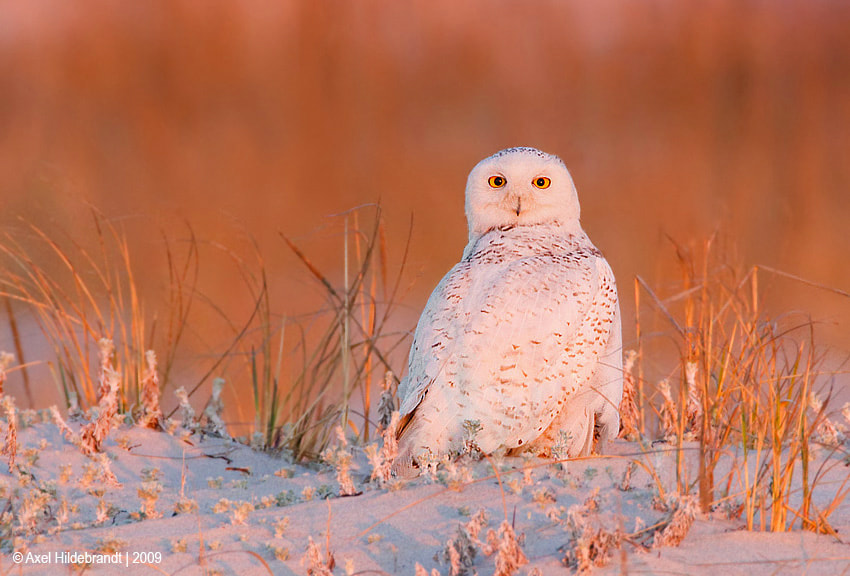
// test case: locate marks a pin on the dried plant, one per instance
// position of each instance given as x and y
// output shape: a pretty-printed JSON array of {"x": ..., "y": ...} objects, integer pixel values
[
  {"x": 106, "y": 352},
  {"x": 211, "y": 421},
  {"x": 421, "y": 571},
  {"x": 316, "y": 565},
  {"x": 845, "y": 411},
  {"x": 457, "y": 562},
  {"x": 471, "y": 428},
  {"x": 10, "y": 445},
  {"x": 77, "y": 296},
  {"x": 151, "y": 411},
  {"x": 106, "y": 474},
  {"x": 149, "y": 494},
  {"x": 103, "y": 463},
  {"x": 693, "y": 409},
  {"x": 63, "y": 513},
  {"x": 280, "y": 526},
  {"x": 591, "y": 544},
  {"x": 91, "y": 472},
  {"x": 626, "y": 483},
  {"x": 676, "y": 526},
  {"x": 386, "y": 404},
  {"x": 187, "y": 413},
  {"x": 382, "y": 460},
  {"x": 94, "y": 433},
  {"x": 826, "y": 431},
  {"x": 475, "y": 525},
  {"x": 560, "y": 451},
  {"x": 179, "y": 545},
  {"x": 6, "y": 360},
  {"x": 110, "y": 545},
  {"x": 74, "y": 410},
  {"x": 455, "y": 474},
  {"x": 34, "y": 510},
  {"x": 223, "y": 505},
  {"x": 509, "y": 554},
  {"x": 66, "y": 431},
  {"x": 460, "y": 551},
  {"x": 101, "y": 511},
  {"x": 668, "y": 411},
  {"x": 185, "y": 505},
  {"x": 342, "y": 360},
  {"x": 239, "y": 514},
  {"x": 280, "y": 553},
  {"x": 629, "y": 414},
  {"x": 745, "y": 379},
  {"x": 340, "y": 458}
]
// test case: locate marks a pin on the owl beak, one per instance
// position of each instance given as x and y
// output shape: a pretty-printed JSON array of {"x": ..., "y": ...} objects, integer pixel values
[{"x": 518, "y": 206}]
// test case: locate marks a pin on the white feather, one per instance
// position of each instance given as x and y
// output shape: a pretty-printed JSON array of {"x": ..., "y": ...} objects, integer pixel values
[{"x": 523, "y": 334}]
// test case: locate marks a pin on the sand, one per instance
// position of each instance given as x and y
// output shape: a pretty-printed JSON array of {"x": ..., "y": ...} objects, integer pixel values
[{"x": 215, "y": 506}]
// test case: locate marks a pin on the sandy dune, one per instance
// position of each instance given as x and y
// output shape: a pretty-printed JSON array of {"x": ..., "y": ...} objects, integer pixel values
[{"x": 244, "y": 512}]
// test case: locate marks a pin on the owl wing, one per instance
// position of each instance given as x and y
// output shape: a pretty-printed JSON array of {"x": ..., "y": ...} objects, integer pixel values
[
  {"x": 519, "y": 337},
  {"x": 436, "y": 333}
]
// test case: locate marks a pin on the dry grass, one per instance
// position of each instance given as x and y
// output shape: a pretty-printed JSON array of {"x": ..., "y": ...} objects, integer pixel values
[
  {"x": 304, "y": 372},
  {"x": 79, "y": 295},
  {"x": 744, "y": 379},
  {"x": 331, "y": 356},
  {"x": 351, "y": 354}
]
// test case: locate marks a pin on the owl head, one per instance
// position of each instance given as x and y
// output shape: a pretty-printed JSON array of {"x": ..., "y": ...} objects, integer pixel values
[{"x": 520, "y": 187}]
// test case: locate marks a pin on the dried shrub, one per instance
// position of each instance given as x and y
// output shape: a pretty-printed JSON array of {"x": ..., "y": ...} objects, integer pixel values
[
  {"x": 10, "y": 445},
  {"x": 591, "y": 544},
  {"x": 629, "y": 414},
  {"x": 382, "y": 460},
  {"x": 151, "y": 411},
  {"x": 316, "y": 564},
  {"x": 94, "y": 433},
  {"x": 211, "y": 421},
  {"x": 509, "y": 554},
  {"x": 460, "y": 551},
  {"x": 673, "y": 529},
  {"x": 6, "y": 360}
]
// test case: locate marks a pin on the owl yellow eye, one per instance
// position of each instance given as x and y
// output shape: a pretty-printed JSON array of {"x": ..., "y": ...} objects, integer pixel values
[
  {"x": 541, "y": 182},
  {"x": 497, "y": 181}
]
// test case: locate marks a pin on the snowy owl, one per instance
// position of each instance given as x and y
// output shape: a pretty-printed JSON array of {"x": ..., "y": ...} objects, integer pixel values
[{"x": 520, "y": 342}]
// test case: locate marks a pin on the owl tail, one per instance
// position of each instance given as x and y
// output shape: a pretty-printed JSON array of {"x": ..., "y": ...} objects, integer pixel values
[{"x": 404, "y": 466}]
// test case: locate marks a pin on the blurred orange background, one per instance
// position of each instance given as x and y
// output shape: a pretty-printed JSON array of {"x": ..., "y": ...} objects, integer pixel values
[{"x": 254, "y": 117}]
